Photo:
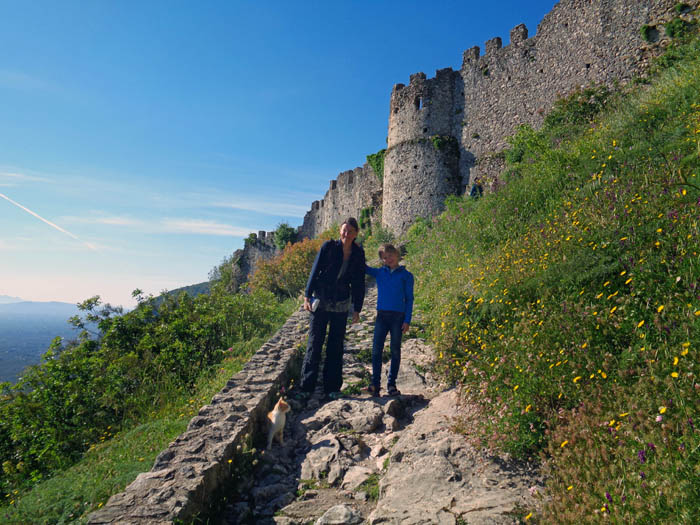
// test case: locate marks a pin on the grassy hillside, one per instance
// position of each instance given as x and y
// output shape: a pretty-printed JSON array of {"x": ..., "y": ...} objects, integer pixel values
[{"x": 567, "y": 304}]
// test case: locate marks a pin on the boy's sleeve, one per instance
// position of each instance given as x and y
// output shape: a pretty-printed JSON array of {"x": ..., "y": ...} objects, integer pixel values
[
  {"x": 315, "y": 270},
  {"x": 408, "y": 296},
  {"x": 371, "y": 271}
]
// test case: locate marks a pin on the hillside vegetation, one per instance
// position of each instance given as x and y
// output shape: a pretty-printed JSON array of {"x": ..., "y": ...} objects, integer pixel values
[
  {"x": 567, "y": 304},
  {"x": 95, "y": 412}
]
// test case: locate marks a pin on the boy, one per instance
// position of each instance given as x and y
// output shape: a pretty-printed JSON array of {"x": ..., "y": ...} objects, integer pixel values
[{"x": 394, "y": 308}]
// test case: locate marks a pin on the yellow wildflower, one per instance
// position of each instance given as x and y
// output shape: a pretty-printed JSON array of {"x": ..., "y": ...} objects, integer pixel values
[
  {"x": 576, "y": 379},
  {"x": 658, "y": 310},
  {"x": 662, "y": 410},
  {"x": 564, "y": 443}
]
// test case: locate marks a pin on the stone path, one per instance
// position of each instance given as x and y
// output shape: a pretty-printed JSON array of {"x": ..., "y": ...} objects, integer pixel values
[{"x": 380, "y": 460}]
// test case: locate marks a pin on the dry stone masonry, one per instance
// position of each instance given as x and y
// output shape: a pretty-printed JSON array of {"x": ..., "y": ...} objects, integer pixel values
[
  {"x": 446, "y": 130},
  {"x": 194, "y": 467}
]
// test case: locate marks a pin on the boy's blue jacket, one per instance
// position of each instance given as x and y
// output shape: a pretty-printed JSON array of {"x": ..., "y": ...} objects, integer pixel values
[{"x": 394, "y": 289}]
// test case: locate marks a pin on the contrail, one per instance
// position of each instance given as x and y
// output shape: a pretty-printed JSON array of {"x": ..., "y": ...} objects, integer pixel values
[{"x": 92, "y": 247}]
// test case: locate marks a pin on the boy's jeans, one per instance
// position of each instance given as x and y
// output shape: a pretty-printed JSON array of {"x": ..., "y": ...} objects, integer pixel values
[{"x": 387, "y": 322}]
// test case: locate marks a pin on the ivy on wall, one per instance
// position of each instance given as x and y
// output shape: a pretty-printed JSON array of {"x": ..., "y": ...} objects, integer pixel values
[{"x": 376, "y": 161}]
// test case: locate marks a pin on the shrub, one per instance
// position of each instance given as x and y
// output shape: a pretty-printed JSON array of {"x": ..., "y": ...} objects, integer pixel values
[
  {"x": 284, "y": 234},
  {"x": 648, "y": 32},
  {"x": 84, "y": 389},
  {"x": 286, "y": 274},
  {"x": 444, "y": 143},
  {"x": 677, "y": 28}
]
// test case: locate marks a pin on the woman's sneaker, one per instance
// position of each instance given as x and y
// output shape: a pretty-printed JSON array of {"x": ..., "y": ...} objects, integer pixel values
[{"x": 372, "y": 390}]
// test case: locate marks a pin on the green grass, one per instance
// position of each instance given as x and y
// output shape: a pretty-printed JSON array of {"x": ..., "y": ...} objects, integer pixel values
[
  {"x": 567, "y": 305},
  {"x": 371, "y": 487},
  {"x": 110, "y": 465}
]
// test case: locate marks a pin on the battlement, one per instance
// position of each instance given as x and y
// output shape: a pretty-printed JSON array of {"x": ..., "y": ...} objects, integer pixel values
[
  {"x": 352, "y": 191},
  {"x": 578, "y": 43}
]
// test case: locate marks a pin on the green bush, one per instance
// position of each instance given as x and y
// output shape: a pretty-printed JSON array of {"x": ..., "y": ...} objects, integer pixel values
[
  {"x": 80, "y": 389},
  {"x": 376, "y": 161},
  {"x": 284, "y": 234},
  {"x": 567, "y": 307},
  {"x": 647, "y": 32},
  {"x": 677, "y": 28},
  {"x": 444, "y": 142}
]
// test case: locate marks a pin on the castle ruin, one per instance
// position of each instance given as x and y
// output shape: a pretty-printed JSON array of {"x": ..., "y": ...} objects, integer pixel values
[{"x": 446, "y": 130}]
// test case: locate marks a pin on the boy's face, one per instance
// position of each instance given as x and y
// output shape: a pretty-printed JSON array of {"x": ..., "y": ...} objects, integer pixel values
[{"x": 391, "y": 259}]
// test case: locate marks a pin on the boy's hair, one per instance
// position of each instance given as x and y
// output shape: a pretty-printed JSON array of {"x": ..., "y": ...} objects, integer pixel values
[{"x": 386, "y": 247}]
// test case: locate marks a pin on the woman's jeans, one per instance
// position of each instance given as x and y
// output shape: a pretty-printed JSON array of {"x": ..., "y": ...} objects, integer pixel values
[
  {"x": 333, "y": 367},
  {"x": 387, "y": 322}
]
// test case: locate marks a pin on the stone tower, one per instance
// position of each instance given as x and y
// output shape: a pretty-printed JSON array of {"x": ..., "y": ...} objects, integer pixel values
[{"x": 421, "y": 164}]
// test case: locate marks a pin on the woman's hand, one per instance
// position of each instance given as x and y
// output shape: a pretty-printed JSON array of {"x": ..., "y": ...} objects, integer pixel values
[{"x": 307, "y": 304}]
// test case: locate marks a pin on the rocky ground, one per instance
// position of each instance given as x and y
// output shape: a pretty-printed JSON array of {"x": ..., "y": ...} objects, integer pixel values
[{"x": 362, "y": 459}]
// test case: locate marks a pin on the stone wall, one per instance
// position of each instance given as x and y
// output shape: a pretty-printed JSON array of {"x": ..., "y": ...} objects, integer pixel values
[
  {"x": 578, "y": 43},
  {"x": 244, "y": 261},
  {"x": 421, "y": 165},
  {"x": 187, "y": 476},
  {"x": 347, "y": 195}
]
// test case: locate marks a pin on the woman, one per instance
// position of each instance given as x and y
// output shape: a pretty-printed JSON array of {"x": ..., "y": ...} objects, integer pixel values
[{"x": 336, "y": 282}]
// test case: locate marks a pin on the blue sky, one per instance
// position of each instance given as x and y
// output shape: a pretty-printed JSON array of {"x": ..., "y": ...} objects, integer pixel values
[{"x": 141, "y": 141}]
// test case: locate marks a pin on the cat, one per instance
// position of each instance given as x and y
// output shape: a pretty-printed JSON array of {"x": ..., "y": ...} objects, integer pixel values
[{"x": 277, "y": 419}]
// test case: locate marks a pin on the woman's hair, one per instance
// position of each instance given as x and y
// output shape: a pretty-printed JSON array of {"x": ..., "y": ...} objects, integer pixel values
[
  {"x": 351, "y": 221},
  {"x": 388, "y": 248}
]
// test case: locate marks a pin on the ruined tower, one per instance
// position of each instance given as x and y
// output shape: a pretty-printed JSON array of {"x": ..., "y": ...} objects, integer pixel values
[{"x": 421, "y": 164}]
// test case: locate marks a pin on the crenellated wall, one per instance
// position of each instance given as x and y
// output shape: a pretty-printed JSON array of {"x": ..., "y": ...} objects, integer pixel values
[
  {"x": 443, "y": 131},
  {"x": 347, "y": 195},
  {"x": 580, "y": 42}
]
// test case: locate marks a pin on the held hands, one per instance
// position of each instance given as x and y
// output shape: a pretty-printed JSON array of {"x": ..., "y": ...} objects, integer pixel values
[{"x": 405, "y": 327}]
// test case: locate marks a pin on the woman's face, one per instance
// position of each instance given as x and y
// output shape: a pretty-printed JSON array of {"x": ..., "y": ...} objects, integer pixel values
[{"x": 347, "y": 233}]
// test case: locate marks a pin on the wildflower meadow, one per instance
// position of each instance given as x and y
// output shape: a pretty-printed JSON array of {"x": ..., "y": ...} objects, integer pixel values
[{"x": 567, "y": 304}]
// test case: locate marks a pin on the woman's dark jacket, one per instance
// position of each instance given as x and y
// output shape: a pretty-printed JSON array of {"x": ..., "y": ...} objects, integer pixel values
[{"x": 324, "y": 283}]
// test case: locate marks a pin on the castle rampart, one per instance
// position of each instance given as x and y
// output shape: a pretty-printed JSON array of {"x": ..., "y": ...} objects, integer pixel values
[
  {"x": 579, "y": 43},
  {"x": 351, "y": 192}
]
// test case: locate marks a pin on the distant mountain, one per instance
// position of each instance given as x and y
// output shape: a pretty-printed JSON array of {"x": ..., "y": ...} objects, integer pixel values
[
  {"x": 44, "y": 309},
  {"x": 26, "y": 331},
  {"x": 193, "y": 290},
  {"x": 5, "y": 299}
]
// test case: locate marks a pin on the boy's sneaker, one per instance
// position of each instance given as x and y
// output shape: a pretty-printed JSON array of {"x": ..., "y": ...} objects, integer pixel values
[{"x": 372, "y": 390}]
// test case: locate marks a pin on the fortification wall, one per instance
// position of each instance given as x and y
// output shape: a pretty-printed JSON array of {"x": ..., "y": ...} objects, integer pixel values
[
  {"x": 578, "y": 43},
  {"x": 347, "y": 195},
  {"x": 421, "y": 164}
]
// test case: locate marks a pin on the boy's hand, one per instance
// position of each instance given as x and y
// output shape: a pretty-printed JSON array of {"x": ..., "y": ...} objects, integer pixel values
[
  {"x": 405, "y": 327},
  {"x": 355, "y": 317}
]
